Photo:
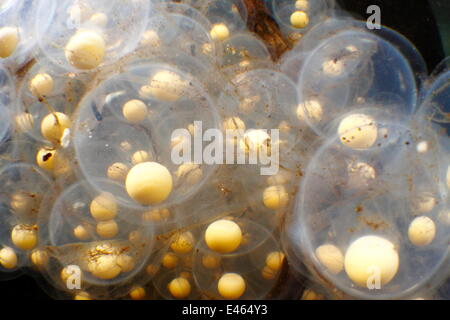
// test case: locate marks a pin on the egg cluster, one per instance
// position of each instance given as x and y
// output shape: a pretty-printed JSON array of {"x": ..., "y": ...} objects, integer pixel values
[{"x": 96, "y": 97}]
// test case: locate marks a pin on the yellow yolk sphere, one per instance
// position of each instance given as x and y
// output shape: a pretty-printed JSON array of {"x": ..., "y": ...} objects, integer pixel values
[
  {"x": 125, "y": 262},
  {"x": 9, "y": 38},
  {"x": 85, "y": 50},
  {"x": 24, "y": 236},
  {"x": 331, "y": 257},
  {"x": 299, "y": 19},
  {"x": 231, "y": 286},
  {"x": 183, "y": 243},
  {"x": 170, "y": 260},
  {"x": 149, "y": 183},
  {"x": 191, "y": 173},
  {"x": 135, "y": 111},
  {"x": 139, "y": 157},
  {"x": 210, "y": 262},
  {"x": 107, "y": 229},
  {"x": 41, "y": 85},
  {"x": 166, "y": 86},
  {"x": 8, "y": 258},
  {"x": 104, "y": 207},
  {"x": 45, "y": 159},
  {"x": 99, "y": 19},
  {"x": 274, "y": 260},
  {"x": 371, "y": 256},
  {"x": 39, "y": 258},
  {"x": 81, "y": 233},
  {"x": 219, "y": 32},
  {"x": 118, "y": 171},
  {"x": 179, "y": 288},
  {"x": 358, "y": 131},
  {"x": 53, "y": 126},
  {"x": 150, "y": 38},
  {"x": 105, "y": 267},
  {"x": 223, "y": 236},
  {"x": 275, "y": 197},
  {"x": 422, "y": 231},
  {"x": 137, "y": 293},
  {"x": 268, "y": 273},
  {"x": 310, "y": 110}
]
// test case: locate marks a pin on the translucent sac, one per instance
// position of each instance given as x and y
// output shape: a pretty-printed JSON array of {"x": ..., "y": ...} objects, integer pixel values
[
  {"x": 7, "y": 95},
  {"x": 86, "y": 35}
]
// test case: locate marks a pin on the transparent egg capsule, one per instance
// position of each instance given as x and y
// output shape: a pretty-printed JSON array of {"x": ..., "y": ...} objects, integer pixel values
[
  {"x": 17, "y": 34},
  {"x": 241, "y": 48},
  {"x": 225, "y": 16},
  {"x": 25, "y": 187},
  {"x": 367, "y": 220},
  {"x": 87, "y": 229},
  {"x": 236, "y": 259},
  {"x": 7, "y": 95},
  {"x": 293, "y": 60},
  {"x": 259, "y": 111},
  {"x": 351, "y": 68},
  {"x": 86, "y": 35},
  {"x": 47, "y": 98},
  {"x": 136, "y": 128},
  {"x": 295, "y": 18},
  {"x": 176, "y": 30}
]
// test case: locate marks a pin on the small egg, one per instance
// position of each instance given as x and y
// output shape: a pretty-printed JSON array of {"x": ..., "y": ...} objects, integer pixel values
[
  {"x": 104, "y": 207},
  {"x": 331, "y": 258},
  {"x": 284, "y": 127},
  {"x": 421, "y": 231},
  {"x": 223, "y": 236},
  {"x": 275, "y": 197},
  {"x": 140, "y": 156},
  {"x": 24, "y": 236},
  {"x": 54, "y": 125},
  {"x": 156, "y": 215},
  {"x": 8, "y": 258},
  {"x": 118, "y": 171},
  {"x": 151, "y": 269},
  {"x": 83, "y": 295},
  {"x": 422, "y": 147},
  {"x": 41, "y": 85},
  {"x": 299, "y": 19},
  {"x": 24, "y": 203},
  {"x": 149, "y": 183},
  {"x": 81, "y": 232},
  {"x": 268, "y": 273},
  {"x": 274, "y": 260},
  {"x": 255, "y": 140},
  {"x": 302, "y": 5},
  {"x": 24, "y": 122},
  {"x": 150, "y": 38},
  {"x": 45, "y": 159},
  {"x": 234, "y": 123},
  {"x": 135, "y": 111},
  {"x": 424, "y": 203},
  {"x": 210, "y": 261},
  {"x": 183, "y": 243},
  {"x": 137, "y": 293},
  {"x": 190, "y": 173},
  {"x": 309, "y": 294},
  {"x": 310, "y": 110},
  {"x": 85, "y": 50},
  {"x": 358, "y": 131},
  {"x": 125, "y": 262},
  {"x": 179, "y": 288},
  {"x": 99, "y": 19},
  {"x": 39, "y": 258},
  {"x": 368, "y": 255},
  {"x": 105, "y": 267},
  {"x": 360, "y": 174},
  {"x": 135, "y": 236},
  {"x": 231, "y": 286},
  {"x": 9, "y": 39},
  {"x": 125, "y": 146},
  {"x": 333, "y": 67},
  {"x": 107, "y": 229},
  {"x": 167, "y": 86},
  {"x": 170, "y": 260},
  {"x": 219, "y": 32}
]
